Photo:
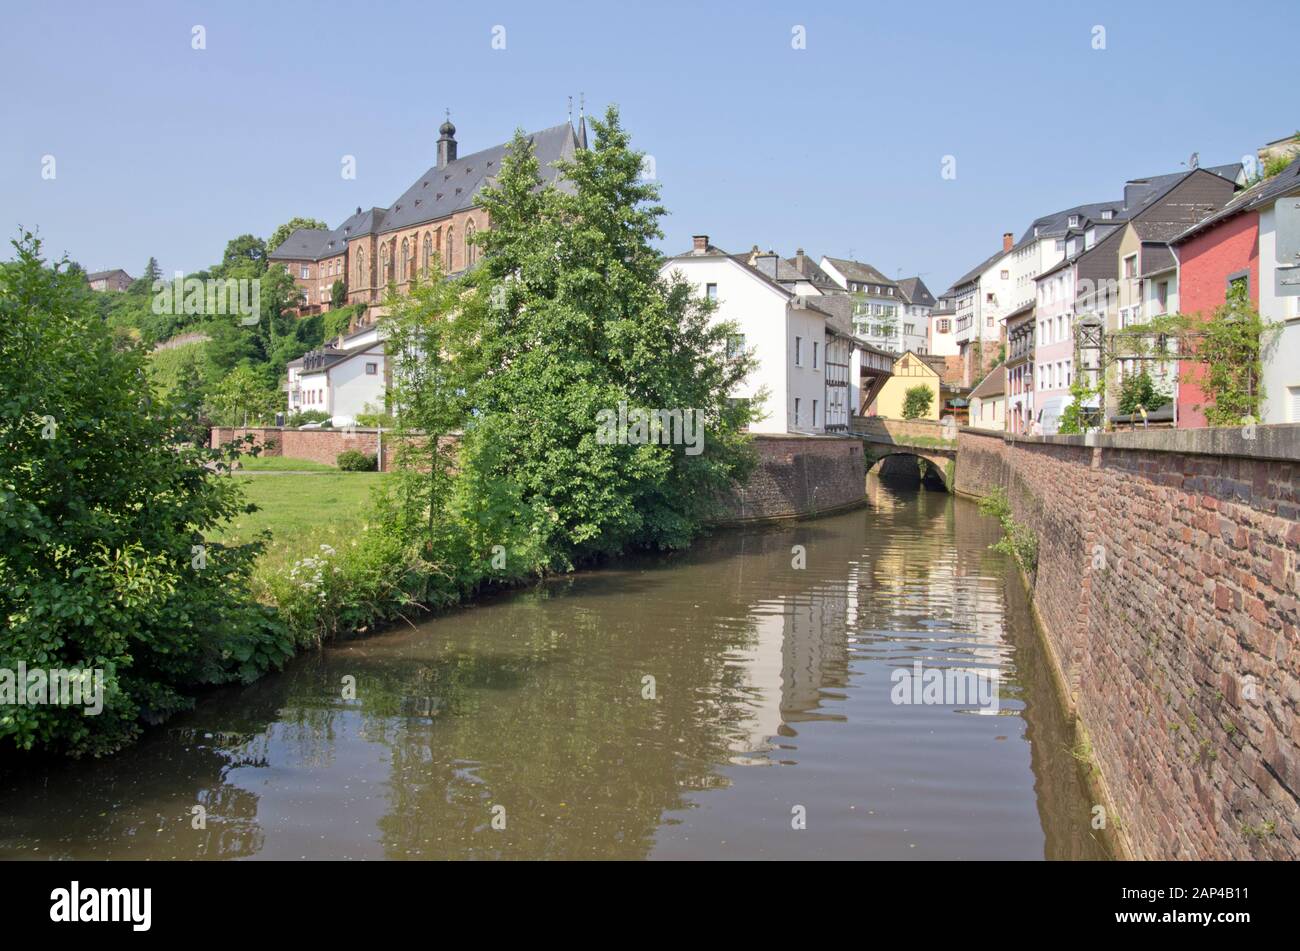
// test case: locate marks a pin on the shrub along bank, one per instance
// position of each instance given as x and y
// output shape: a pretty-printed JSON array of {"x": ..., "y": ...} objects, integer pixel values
[{"x": 116, "y": 542}]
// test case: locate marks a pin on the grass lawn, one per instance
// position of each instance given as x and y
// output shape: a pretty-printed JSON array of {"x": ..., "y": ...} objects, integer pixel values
[
  {"x": 281, "y": 464},
  {"x": 304, "y": 512}
]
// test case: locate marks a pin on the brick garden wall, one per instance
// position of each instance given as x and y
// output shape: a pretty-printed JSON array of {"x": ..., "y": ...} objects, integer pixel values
[
  {"x": 800, "y": 475},
  {"x": 1167, "y": 587},
  {"x": 315, "y": 445}
]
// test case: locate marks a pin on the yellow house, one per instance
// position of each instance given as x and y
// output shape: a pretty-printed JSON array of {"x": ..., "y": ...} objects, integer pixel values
[{"x": 909, "y": 371}]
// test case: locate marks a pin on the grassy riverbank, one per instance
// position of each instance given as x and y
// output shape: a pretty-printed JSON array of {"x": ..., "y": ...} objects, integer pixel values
[{"x": 303, "y": 511}]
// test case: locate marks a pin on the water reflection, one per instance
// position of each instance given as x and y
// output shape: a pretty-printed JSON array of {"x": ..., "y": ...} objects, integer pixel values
[{"x": 771, "y": 690}]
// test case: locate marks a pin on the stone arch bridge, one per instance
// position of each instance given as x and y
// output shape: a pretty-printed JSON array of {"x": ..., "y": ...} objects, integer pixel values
[{"x": 922, "y": 439}]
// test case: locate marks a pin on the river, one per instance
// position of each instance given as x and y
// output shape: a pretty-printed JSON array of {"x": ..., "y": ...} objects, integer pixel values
[{"x": 718, "y": 703}]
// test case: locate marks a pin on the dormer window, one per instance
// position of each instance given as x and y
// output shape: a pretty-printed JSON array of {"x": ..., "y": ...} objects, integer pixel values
[
  {"x": 1074, "y": 221},
  {"x": 1107, "y": 215}
]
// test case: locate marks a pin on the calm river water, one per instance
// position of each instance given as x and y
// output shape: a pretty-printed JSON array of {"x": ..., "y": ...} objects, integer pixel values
[{"x": 771, "y": 708}]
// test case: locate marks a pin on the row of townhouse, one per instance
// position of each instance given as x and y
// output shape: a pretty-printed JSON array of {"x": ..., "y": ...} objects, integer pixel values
[
  {"x": 805, "y": 321},
  {"x": 798, "y": 320},
  {"x": 1174, "y": 243}
]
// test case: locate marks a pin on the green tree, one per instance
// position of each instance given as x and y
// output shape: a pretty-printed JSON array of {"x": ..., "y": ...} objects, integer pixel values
[
  {"x": 107, "y": 506},
  {"x": 245, "y": 250},
  {"x": 281, "y": 234},
  {"x": 917, "y": 401},
  {"x": 1139, "y": 390},
  {"x": 243, "y": 398},
  {"x": 1076, "y": 417},
  {"x": 1230, "y": 350},
  {"x": 338, "y": 293},
  {"x": 566, "y": 320}
]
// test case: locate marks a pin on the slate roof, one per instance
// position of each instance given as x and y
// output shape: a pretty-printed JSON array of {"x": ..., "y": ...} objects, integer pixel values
[
  {"x": 440, "y": 192},
  {"x": 992, "y": 385},
  {"x": 974, "y": 272},
  {"x": 915, "y": 292},
  {"x": 328, "y": 356},
  {"x": 862, "y": 273},
  {"x": 813, "y": 274},
  {"x": 1057, "y": 224},
  {"x": 303, "y": 245},
  {"x": 712, "y": 251},
  {"x": 1285, "y": 182},
  {"x": 436, "y": 194},
  {"x": 100, "y": 275}
]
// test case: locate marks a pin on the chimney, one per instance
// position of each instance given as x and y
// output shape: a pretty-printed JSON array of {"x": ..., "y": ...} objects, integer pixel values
[
  {"x": 1007, "y": 242},
  {"x": 766, "y": 263},
  {"x": 798, "y": 260},
  {"x": 446, "y": 142},
  {"x": 699, "y": 243}
]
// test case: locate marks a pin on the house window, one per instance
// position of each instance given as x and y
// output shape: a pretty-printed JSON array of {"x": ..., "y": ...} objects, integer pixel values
[
  {"x": 815, "y": 346},
  {"x": 401, "y": 264},
  {"x": 1130, "y": 267},
  {"x": 798, "y": 351},
  {"x": 428, "y": 251},
  {"x": 1074, "y": 221},
  {"x": 945, "y": 326},
  {"x": 304, "y": 272},
  {"x": 711, "y": 291},
  {"x": 814, "y": 412},
  {"x": 372, "y": 369},
  {"x": 1006, "y": 275},
  {"x": 471, "y": 250},
  {"x": 796, "y": 410},
  {"x": 735, "y": 345}
]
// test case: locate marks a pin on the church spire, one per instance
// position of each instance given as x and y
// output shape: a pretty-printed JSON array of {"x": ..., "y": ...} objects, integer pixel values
[
  {"x": 446, "y": 142},
  {"x": 582, "y": 119}
]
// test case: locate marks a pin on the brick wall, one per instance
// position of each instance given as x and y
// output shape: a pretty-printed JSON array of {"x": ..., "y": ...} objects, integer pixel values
[
  {"x": 1167, "y": 587},
  {"x": 800, "y": 475},
  {"x": 314, "y": 445}
]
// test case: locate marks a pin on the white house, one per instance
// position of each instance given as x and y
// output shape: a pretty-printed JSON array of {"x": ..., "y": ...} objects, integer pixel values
[
  {"x": 982, "y": 298},
  {"x": 798, "y": 339},
  {"x": 883, "y": 314},
  {"x": 342, "y": 380}
]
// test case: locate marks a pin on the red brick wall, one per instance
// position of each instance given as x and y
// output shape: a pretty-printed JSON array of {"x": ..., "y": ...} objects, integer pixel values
[
  {"x": 1206, "y": 262},
  {"x": 1195, "y": 601},
  {"x": 314, "y": 445},
  {"x": 800, "y": 475}
]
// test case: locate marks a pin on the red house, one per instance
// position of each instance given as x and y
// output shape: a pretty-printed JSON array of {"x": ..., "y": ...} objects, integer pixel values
[{"x": 1212, "y": 255}]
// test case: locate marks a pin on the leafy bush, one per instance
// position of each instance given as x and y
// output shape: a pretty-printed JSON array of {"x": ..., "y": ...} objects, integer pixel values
[
  {"x": 376, "y": 420},
  {"x": 341, "y": 591},
  {"x": 307, "y": 416},
  {"x": 1017, "y": 540},
  {"x": 106, "y": 502},
  {"x": 353, "y": 460},
  {"x": 1139, "y": 390},
  {"x": 917, "y": 401}
]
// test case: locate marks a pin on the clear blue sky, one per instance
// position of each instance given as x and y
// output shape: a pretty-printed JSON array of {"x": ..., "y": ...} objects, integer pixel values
[{"x": 169, "y": 151}]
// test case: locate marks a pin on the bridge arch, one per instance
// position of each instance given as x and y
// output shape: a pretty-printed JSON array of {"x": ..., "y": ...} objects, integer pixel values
[{"x": 939, "y": 465}]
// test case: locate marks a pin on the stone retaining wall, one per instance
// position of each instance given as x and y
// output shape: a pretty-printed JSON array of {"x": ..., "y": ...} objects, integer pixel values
[
  {"x": 798, "y": 476},
  {"x": 1167, "y": 585}
]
